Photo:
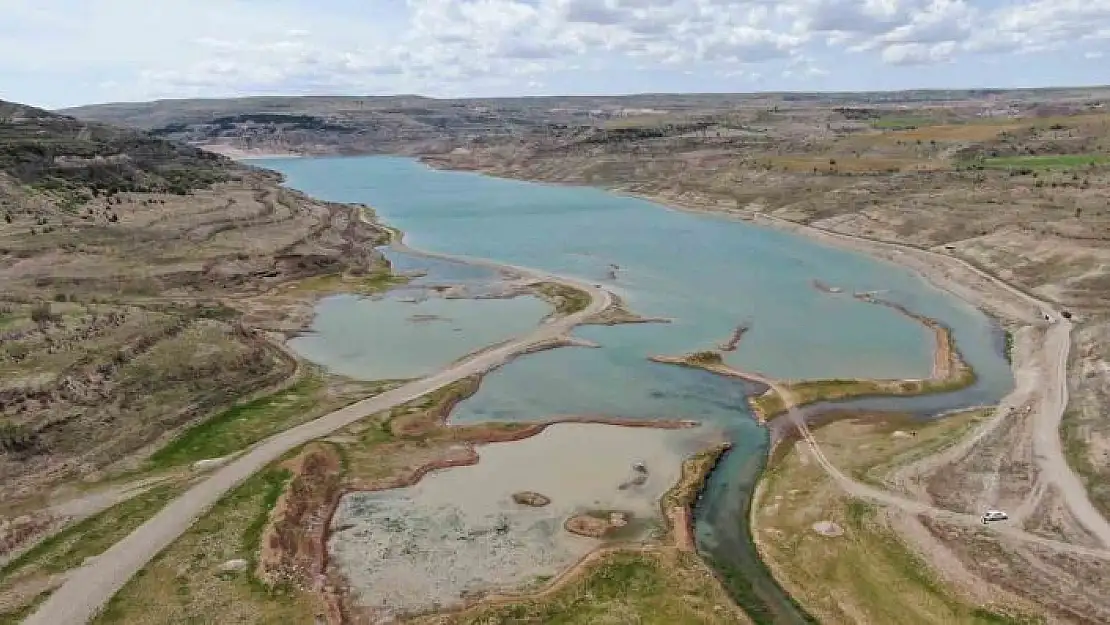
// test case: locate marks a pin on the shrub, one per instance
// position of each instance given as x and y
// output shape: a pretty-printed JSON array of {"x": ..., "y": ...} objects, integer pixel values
[
  {"x": 42, "y": 313},
  {"x": 17, "y": 438}
]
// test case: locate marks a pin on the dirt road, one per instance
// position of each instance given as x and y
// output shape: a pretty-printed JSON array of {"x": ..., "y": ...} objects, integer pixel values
[
  {"x": 912, "y": 506},
  {"x": 978, "y": 287},
  {"x": 88, "y": 588}
]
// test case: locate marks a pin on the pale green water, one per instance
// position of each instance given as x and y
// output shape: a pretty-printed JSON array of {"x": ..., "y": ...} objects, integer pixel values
[
  {"x": 707, "y": 273},
  {"x": 388, "y": 338}
]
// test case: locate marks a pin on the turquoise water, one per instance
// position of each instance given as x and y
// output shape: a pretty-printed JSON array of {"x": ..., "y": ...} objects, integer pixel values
[
  {"x": 708, "y": 274},
  {"x": 390, "y": 338}
]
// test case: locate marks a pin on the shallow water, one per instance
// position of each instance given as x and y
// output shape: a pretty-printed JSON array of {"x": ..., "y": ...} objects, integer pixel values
[
  {"x": 709, "y": 274},
  {"x": 458, "y": 531},
  {"x": 391, "y": 338}
]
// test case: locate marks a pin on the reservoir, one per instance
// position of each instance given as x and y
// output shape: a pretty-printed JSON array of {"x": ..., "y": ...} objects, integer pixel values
[{"x": 708, "y": 274}]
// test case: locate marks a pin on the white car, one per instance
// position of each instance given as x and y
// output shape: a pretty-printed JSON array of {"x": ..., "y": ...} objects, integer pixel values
[{"x": 993, "y": 515}]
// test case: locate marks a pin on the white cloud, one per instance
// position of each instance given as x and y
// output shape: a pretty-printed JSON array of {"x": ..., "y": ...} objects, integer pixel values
[
  {"x": 918, "y": 53},
  {"x": 125, "y": 50}
]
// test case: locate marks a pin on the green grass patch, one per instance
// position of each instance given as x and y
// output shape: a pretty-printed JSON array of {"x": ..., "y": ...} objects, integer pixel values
[
  {"x": 1048, "y": 161},
  {"x": 270, "y": 483},
  {"x": 242, "y": 425},
  {"x": 239, "y": 426},
  {"x": 567, "y": 300},
  {"x": 184, "y": 584},
  {"x": 935, "y": 437},
  {"x": 71, "y": 546},
  {"x": 909, "y": 569},
  {"x": 902, "y": 123},
  {"x": 806, "y": 392},
  {"x": 1077, "y": 452},
  {"x": 625, "y": 587},
  {"x": 867, "y": 574},
  {"x": 368, "y": 284}
]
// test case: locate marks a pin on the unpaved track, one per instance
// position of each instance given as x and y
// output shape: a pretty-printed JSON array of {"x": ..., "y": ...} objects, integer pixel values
[
  {"x": 88, "y": 588},
  {"x": 982, "y": 289},
  {"x": 912, "y": 506}
]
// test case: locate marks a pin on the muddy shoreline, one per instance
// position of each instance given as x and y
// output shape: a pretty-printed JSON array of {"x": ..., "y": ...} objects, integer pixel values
[{"x": 337, "y": 593}]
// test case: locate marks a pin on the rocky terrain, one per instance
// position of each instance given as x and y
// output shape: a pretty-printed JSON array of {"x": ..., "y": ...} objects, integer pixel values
[{"x": 122, "y": 257}]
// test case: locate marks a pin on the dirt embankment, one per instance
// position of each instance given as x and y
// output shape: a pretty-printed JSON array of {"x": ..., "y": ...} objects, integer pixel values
[
  {"x": 947, "y": 362},
  {"x": 678, "y": 502}
]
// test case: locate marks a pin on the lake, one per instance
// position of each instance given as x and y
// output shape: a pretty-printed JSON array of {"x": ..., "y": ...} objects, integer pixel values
[{"x": 707, "y": 273}]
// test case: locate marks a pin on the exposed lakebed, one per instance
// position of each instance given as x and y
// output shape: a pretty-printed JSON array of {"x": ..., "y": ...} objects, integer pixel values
[
  {"x": 708, "y": 274},
  {"x": 459, "y": 531}
]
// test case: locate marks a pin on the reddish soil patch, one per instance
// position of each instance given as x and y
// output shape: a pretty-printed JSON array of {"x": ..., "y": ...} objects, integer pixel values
[{"x": 293, "y": 546}]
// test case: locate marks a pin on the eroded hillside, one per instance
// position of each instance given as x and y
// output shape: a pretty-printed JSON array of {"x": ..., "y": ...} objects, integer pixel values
[{"x": 123, "y": 259}]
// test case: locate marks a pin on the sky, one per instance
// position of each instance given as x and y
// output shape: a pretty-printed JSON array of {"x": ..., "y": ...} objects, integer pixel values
[{"x": 57, "y": 53}]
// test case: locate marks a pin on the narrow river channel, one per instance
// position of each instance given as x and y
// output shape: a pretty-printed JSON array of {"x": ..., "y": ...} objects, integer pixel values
[{"x": 708, "y": 274}]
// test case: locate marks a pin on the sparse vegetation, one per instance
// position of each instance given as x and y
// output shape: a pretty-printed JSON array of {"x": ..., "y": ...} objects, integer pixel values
[
  {"x": 707, "y": 357},
  {"x": 805, "y": 392},
  {"x": 859, "y": 569},
  {"x": 240, "y": 426},
  {"x": 1048, "y": 161},
  {"x": 663, "y": 588},
  {"x": 72, "y": 546},
  {"x": 566, "y": 299},
  {"x": 185, "y": 582},
  {"x": 120, "y": 318}
]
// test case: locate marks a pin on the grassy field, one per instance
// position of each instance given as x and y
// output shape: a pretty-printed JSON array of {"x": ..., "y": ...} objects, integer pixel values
[
  {"x": 805, "y": 392},
  {"x": 185, "y": 583},
  {"x": 369, "y": 284},
  {"x": 902, "y": 123},
  {"x": 661, "y": 588},
  {"x": 1077, "y": 449},
  {"x": 72, "y": 546},
  {"x": 247, "y": 423},
  {"x": 1048, "y": 161},
  {"x": 866, "y": 574},
  {"x": 567, "y": 300}
]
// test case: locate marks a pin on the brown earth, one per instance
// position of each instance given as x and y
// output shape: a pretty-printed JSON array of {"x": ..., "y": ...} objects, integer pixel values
[
  {"x": 533, "y": 499},
  {"x": 125, "y": 278}
]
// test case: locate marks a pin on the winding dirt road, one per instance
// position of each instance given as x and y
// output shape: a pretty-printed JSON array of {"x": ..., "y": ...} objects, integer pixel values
[
  {"x": 87, "y": 589},
  {"x": 1048, "y": 391},
  {"x": 912, "y": 506}
]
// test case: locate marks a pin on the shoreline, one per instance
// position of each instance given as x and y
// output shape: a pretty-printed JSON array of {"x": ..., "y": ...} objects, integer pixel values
[
  {"x": 696, "y": 468},
  {"x": 88, "y": 588},
  {"x": 887, "y": 251},
  {"x": 950, "y": 372},
  {"x": 675, "y": 509}
]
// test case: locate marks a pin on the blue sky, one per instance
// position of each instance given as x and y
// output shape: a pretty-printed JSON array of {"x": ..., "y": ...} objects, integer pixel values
[{"x": 56, "y": 53}]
